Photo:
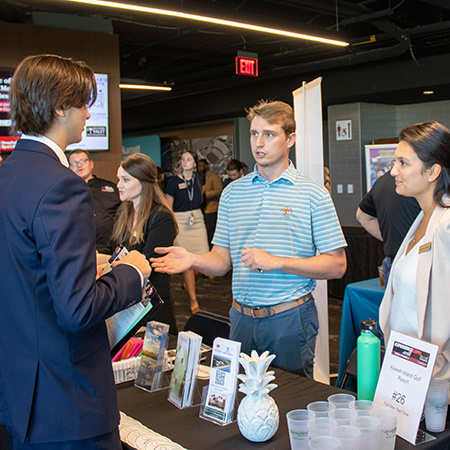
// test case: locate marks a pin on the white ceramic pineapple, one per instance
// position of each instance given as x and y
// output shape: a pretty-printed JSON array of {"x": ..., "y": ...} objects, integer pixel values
[{"x": 257, "y": 416}]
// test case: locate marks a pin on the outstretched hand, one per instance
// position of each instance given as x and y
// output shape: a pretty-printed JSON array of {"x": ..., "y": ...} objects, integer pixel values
[{"x": 176, "y": 260}]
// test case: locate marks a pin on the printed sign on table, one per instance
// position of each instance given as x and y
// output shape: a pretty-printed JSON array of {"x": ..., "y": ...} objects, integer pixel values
[{"x": 404, "y": 378}]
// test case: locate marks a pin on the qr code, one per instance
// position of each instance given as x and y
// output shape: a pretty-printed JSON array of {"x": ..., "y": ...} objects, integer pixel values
[{"x": 220, "y": 378}]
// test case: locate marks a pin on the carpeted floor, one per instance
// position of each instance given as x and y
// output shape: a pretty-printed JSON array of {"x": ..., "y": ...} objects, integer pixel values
[{"x": 214, "y": 295}]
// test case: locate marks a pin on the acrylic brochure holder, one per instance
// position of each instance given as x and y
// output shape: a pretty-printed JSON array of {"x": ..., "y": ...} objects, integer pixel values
[
  {"x": 152, "y": 375},
  {"x": 184, "y": 392},
  {"x": 219, "y": 399}
]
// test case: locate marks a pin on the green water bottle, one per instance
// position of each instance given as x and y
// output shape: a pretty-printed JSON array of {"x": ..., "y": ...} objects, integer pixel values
[{"x": 368, "y": 360}]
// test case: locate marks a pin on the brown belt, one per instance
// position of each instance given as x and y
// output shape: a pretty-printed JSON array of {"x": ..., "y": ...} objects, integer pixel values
[{"x": 261, "y": 312}]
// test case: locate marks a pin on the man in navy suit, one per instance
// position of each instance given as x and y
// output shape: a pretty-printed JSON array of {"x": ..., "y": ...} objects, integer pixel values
[{"x": 56, "y": 383}]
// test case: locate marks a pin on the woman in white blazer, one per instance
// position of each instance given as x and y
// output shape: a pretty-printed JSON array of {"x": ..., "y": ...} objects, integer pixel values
[{"x": 416, "y": 298}]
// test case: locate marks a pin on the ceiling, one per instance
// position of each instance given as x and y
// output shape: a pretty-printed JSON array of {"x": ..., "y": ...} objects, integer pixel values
[{"x": 195, "y": 58}]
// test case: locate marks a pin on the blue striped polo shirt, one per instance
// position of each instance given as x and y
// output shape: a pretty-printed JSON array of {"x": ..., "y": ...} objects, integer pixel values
[{"x": 292, "y": 216}]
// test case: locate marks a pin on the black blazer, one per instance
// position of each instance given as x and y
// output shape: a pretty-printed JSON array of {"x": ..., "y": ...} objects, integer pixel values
[{"x": 56, "y": 380}]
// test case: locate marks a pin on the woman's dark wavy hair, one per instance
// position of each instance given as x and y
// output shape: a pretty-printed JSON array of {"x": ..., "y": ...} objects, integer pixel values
[
  {"x": 431, "y": 142},
  {"x": 44, "y": 83}
]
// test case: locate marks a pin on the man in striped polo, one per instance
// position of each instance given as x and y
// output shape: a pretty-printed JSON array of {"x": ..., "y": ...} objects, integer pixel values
[{"x": 280, "y": 232}]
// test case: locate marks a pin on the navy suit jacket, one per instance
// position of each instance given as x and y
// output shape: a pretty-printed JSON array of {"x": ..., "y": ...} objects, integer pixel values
[{"x": 56, "y": 380}]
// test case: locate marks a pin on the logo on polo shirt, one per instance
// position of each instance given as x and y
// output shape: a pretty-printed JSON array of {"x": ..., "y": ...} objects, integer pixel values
[
  {"x": 107, "y": 189},
  {"x": 286, "y": 211}
]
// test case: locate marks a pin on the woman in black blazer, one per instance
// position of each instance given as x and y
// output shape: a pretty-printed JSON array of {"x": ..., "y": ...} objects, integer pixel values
[{"x": 145, "y": 221}]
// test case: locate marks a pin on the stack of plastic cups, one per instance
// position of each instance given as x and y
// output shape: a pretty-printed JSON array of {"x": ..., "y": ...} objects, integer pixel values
[
  {"x": 343, "y": 416},
  {"x": 325, "y": 442},
  {"x": 321, "y": 426},
  {"x": 320, "y": 409},
  {"x": 348, "y": 435},
  {"x": 341, "y": 400},
  {"x": 363, "y": 407},
  {"x": 298, "y": 428},
  {"x": 368, "y": 426},
  {"x": 387, "y": 430},
  {"x": 436, "y": 405}
]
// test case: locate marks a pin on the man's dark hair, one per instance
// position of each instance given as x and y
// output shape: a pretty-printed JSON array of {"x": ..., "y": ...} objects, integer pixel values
[{"x": 43, "y": 84}]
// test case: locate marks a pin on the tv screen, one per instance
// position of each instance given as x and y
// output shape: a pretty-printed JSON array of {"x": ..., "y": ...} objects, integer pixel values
[{"x": 96, "y": 133}]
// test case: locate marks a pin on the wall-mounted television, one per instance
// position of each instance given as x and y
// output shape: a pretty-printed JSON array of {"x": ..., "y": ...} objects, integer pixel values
[{"x": 96, "y": 133}]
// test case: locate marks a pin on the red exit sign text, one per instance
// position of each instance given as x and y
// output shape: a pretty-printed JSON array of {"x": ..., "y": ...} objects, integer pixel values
[{"x": 246, "y": 66}]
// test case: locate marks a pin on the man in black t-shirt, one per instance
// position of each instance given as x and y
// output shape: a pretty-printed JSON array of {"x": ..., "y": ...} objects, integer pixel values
[
  {"x": 387, "y": 216},
  {"x": 105, "y": 196}
]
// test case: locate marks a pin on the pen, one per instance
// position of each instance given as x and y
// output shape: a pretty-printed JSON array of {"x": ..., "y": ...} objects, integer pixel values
[{"x": 260, "y": 270}]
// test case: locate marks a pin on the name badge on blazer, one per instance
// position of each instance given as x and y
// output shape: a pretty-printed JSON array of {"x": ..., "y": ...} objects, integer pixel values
[
  {"x": 182, "y": 186},
  {"x": 425, "y": 247}
]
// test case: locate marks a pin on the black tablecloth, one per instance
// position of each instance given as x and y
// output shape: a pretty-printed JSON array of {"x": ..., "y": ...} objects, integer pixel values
[{"x": 187, "y": 429}]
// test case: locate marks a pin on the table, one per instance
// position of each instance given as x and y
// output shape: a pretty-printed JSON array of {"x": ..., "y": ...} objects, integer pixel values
[
  {"x": 187, "y": 429},
  {"x": 361, "y": 301}
]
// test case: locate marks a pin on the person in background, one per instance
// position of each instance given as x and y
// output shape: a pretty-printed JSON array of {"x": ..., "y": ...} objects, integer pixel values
[
  {"x": 235, "y": 170},
  {"x": 57, "y": 386},
  {"x": 145, "y": 221},
  {"x": 280, "y": 232},
  {"x": 387, "y": 216},
  {"x": 211, "y": 189},
  {"x": 105, "y": 196},
  {"x": 415, "y": 302},
  {"x": 161, "y": 179},
  {"x": 184, "y": 196},
  {"x": 202, "y": 169}
]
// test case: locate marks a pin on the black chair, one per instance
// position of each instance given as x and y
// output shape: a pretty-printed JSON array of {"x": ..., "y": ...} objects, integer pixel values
[
  {"x": 350, "y": 370},
  {"x": 209, "y": 326}
]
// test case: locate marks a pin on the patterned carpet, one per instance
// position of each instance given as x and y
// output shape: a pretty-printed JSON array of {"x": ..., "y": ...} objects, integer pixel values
[{"x": 214, "y": 295}]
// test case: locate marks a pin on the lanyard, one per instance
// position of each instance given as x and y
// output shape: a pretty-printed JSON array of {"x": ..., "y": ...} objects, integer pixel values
[{"x": 190, "y": 189}]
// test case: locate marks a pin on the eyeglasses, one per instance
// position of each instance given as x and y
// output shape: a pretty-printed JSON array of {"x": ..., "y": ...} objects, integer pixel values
[{"x": 80, "y": 161}]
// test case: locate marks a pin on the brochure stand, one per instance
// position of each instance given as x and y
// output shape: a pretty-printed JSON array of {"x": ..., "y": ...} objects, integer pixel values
[
  {"x": 184, "y": 391},
  {"x": 152, "y": 375},
  {"x": 219, "y": 419},
  {"x": 219, "y": 400}
]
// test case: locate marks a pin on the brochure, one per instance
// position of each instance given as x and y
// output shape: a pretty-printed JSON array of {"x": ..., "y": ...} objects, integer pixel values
[
  {"x": 122, "y": 325},
  {"x": 183, "y": 381},
  {"x": 152, "y": 358},
  {"x": 220, "y": 399}
]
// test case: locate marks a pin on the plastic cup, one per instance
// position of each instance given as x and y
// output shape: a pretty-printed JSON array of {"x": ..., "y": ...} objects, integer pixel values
[
  {"x": 341, "y": 400},
  {"x": 348, "y": 435},
  {"x": 325, "y": 442},
  {"x": 321, "y": 426},
  {"x": 436, "y": 405},
  {"x": 320, "y": 409},
  {"x": 342, "y": 416},
  {"x": 297, "y": 421},
  {"x": 368, "y": 426},
  {"x": 362, "y": 407},
  {"x": 387, "y": 430}
]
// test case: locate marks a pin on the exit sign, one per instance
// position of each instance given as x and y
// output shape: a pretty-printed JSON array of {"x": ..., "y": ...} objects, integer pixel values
[{"x": 246, "y": 66}]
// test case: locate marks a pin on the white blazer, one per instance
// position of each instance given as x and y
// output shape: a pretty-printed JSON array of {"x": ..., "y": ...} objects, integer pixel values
[{"x": 432, "y": 288}]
